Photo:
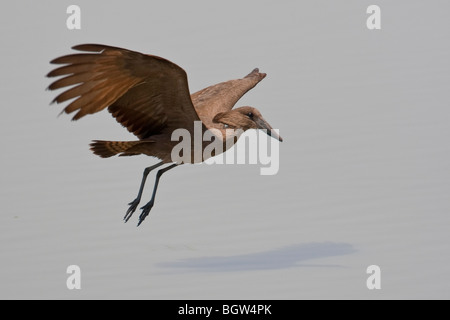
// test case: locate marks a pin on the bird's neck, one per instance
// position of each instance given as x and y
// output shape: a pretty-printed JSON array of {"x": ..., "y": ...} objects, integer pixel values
[{"x": 227, "y": 136}]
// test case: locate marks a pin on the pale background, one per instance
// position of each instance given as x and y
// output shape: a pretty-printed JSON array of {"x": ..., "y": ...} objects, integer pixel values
[{"x": 364, "y": 168}]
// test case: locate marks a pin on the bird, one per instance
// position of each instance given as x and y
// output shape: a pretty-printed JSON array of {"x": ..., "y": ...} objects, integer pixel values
[{"x": 149, "y": 96}]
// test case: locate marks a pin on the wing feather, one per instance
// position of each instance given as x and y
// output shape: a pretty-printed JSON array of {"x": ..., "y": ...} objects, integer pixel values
[
  {"x": 223, "y": 96},
  {"x": 147, "y": 94}
]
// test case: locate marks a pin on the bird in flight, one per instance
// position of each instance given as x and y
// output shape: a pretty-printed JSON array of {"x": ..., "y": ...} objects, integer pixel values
[{"x": 149, "y": 96}]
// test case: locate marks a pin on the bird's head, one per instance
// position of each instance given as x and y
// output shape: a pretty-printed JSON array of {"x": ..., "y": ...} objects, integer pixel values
[{"x": 245, "y": 118}]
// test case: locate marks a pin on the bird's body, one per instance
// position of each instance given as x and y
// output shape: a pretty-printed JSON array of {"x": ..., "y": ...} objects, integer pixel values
[{"x": 150, "y": 96}]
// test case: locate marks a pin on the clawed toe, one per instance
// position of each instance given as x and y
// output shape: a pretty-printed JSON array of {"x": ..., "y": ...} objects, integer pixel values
[
  {"x": 133, "y": 205},
  {"x": 145, "y": 212}
]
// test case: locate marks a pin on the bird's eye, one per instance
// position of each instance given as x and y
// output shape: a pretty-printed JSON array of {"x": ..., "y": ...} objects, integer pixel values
[{"x": 250, "y": 114}]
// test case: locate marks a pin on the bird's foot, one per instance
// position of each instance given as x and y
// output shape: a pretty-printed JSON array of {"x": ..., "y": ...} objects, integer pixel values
[
  {"x": 133, "y": 205},
  {"x": 145, "y": 211}
]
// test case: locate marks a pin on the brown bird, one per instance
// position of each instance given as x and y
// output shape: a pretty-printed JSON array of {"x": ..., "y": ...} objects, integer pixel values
[{"x": 149, "y": 95}]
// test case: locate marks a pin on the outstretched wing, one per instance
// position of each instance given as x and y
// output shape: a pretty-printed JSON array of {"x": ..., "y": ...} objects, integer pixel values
[
  {"x": 223, "y": 96},
  {"x": 147, "y": 94}
]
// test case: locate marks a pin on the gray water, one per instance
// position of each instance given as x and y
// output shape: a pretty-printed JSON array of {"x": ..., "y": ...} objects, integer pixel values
[{"x": 364, "y": 167}]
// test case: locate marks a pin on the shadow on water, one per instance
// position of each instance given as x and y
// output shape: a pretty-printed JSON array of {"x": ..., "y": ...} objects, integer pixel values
[{"x": 281, "y": 258}]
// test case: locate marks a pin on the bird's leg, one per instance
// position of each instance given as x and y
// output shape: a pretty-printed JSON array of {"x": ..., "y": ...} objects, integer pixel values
[
  {"x": 133, "y": 204},
  {"x": 146, "y": 209}
]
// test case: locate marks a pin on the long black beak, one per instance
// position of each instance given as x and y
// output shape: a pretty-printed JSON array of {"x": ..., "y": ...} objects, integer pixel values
[{"x": 263, "y": 124}]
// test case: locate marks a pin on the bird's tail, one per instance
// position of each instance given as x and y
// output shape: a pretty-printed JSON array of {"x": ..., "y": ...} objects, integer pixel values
[{"x": 106, "y": 149}]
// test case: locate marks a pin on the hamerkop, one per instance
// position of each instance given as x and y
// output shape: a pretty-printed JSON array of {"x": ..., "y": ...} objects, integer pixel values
[{"x": 149, "y": 96}]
